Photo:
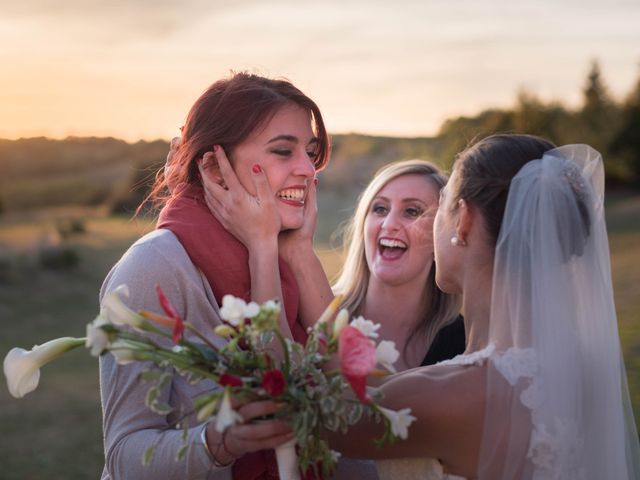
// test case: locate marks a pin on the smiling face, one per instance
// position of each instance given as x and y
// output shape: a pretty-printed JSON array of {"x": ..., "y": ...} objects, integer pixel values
[
  {"x": 285, "y": 150},
  {"x": 398, "y": 230}
]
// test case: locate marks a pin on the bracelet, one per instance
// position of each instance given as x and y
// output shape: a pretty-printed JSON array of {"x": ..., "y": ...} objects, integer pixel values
[
  {"x": 212, "y": 457},
  {"x": 224, "y": 445}
]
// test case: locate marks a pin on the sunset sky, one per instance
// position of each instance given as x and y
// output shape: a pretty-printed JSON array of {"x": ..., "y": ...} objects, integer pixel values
[{"x": 132, "y": 68}]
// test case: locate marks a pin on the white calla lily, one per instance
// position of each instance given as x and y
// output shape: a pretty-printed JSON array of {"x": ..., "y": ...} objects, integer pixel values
[
  {"x": 400, "y": 421},
  {"x": 387, "y": 355},
  {"x": 22, "y": 367},
  {"x": 226, "y": 415},
  {"x": 115, "y": 310},
  {"x": 97, "y": 338},
  {"x": 124, "y": 351}
]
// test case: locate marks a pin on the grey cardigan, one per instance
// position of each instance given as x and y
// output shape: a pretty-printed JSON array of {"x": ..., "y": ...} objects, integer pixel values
[{"x": 129, "y": 426}]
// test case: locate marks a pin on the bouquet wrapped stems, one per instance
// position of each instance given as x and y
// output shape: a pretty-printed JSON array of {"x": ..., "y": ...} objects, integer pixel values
[{"x": 287, "y": 459}]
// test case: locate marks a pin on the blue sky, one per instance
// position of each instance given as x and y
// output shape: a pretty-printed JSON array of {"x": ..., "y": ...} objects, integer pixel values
[{"x": 132, "y": 68}]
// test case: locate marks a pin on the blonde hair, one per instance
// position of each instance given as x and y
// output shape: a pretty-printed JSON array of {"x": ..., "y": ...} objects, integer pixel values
[{"x": 353, "y": 279}]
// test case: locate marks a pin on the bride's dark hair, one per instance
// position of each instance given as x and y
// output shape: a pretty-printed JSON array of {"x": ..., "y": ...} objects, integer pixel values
[
  {"x": 483, "y": 173},
  {"x": 226, "y": 114}
]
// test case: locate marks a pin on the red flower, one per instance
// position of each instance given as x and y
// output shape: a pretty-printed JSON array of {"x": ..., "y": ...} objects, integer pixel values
[
  {"x": 230, "y": 380},
  {"x": 273, "y": 382},
  {"x": 178, "y": 326},
  {"x": 357, "y": 359}
]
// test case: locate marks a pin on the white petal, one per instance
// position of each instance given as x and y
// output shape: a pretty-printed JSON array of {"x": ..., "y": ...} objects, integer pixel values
[
  {"x": 121, "y": 349},
  {"x": 367, "y": 327},
  {"x": 116, "y": 311},
  {"x": 387, "y": 355},
  {"x": 226, "y": 415},
  {"x": 97, "y": 339},
  {"x": 251, "y": 310},
  {"x": 22, "y": 372},
  {"x": 400, "y": 421},
  {"x": 22, "y": 367}
]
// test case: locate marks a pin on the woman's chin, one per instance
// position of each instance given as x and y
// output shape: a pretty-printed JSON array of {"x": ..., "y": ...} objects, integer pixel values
[{"x": 291, "y": 224}]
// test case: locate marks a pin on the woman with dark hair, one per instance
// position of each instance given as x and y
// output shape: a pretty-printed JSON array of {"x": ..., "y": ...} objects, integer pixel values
[
  {"x": 273, "y": 135},
  {"x": 540, "y": 392}
]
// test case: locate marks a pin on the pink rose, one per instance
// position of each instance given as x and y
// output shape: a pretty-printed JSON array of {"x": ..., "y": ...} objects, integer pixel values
[{"x": 357, "y": 359}]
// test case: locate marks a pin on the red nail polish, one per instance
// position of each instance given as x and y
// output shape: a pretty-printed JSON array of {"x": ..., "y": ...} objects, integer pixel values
[
  {"x": 256, "y": 168},
  {"x": 315, "y": 182}
]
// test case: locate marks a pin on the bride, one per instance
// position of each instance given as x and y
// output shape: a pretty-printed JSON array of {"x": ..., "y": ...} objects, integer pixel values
[{"x": 540, "y": 392}]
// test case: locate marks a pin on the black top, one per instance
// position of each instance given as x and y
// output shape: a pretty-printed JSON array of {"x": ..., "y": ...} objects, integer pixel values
[{"x": 449, "y": 342}]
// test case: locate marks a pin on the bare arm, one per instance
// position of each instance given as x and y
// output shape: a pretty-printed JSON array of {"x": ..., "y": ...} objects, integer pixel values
[{"x": 448, "y": 406}]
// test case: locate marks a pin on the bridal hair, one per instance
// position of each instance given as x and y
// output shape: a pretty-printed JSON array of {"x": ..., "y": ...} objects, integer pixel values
[
  {"x": 484, "y": 171},
  {"x": 226, "y": 114},
  {"x": 353, "y": 279}
]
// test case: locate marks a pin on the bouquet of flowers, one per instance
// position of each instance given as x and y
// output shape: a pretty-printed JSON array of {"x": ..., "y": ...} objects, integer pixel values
[{"x": 256, "y": 363}]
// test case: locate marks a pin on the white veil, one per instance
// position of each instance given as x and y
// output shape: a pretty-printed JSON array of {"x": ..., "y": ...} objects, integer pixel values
[{"x": 557, "y": 403}]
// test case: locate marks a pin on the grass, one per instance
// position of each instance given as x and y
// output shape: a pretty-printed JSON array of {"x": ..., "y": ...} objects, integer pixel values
[{"x": 55, "y": 432}]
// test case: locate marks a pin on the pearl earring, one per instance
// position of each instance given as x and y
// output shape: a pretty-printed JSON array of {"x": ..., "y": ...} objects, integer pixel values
[{"x": 458, "y": 242}]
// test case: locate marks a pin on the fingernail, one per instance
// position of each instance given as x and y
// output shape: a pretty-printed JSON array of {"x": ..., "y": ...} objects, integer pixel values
[
  {"x": 215, "y": 148},
  {"x": 315, "y": 181},
  {"x": 256, "y": 168}
]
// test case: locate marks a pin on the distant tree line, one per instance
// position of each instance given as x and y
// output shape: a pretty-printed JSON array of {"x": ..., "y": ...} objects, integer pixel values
[
  {"x": 41, "y": 172},
  {"x": 611, "y": 127}
]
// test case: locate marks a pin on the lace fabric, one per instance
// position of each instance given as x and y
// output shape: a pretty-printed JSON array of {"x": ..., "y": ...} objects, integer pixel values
[
  {"x": 557, "y": 405},
  {"x": 467, "y": 359},
  {"x": 552, "y": 448}
]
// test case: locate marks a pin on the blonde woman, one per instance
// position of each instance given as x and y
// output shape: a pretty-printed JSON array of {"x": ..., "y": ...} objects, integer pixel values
[{"x": 389, "y": 272}]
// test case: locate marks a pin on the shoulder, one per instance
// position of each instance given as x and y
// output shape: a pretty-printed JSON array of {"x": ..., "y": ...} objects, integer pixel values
[
  {"x": 159, "y": 246},
  {"x": 158, "y": 258},
  {"x": 448, "y": 403}
]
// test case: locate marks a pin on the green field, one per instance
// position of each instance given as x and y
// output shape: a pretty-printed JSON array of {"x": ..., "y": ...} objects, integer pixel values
[{"x": 54, "y": 433}]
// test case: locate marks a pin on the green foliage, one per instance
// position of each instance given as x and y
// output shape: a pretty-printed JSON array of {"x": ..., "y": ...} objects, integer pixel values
[{"x": 626, "y": 142}]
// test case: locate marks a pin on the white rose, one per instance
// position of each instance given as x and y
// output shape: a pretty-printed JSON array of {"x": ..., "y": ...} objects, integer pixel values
[
  {"x": 366, "y": 327},
  {"x": 233, "y": 310}
]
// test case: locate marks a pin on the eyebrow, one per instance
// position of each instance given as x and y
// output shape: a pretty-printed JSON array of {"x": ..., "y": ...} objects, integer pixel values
[
  {"x": 404, "y": 200},
  {"x": 291, "y": 138}
]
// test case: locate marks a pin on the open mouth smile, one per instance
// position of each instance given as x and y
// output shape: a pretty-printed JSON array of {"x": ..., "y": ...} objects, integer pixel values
[
  {"x": 292, "y": 196},
  {"x": 391, "y": 248}
]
